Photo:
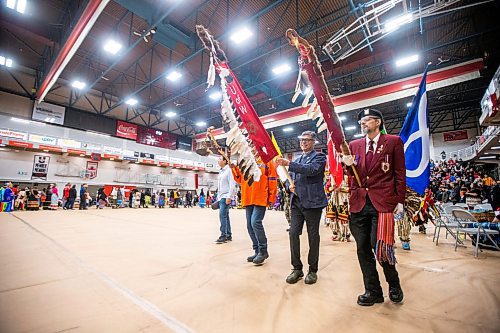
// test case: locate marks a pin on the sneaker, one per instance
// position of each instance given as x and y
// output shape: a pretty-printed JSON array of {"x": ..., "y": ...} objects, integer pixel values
[
  {"x": 221, "y": 240},
  {"x": 406, "y": 245}
]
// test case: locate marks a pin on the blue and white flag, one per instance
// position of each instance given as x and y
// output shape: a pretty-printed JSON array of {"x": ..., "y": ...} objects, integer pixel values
[{"x": 416, "y": 139}]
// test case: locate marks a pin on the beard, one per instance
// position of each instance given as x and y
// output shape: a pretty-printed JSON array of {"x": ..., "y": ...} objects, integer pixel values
[{"x": 364, "y": 130}]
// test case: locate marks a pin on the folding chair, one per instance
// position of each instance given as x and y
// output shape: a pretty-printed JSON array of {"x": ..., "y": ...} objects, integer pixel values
[
  {"x": 446, "y": 220},
  {"x": 469, "y": 226}
]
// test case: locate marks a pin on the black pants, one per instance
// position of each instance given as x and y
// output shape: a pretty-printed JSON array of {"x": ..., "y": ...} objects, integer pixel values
[
  {"x": 311, "y": 216},
  {"x": 83, "y": 203},
  {"x": 364, "y": 229}
]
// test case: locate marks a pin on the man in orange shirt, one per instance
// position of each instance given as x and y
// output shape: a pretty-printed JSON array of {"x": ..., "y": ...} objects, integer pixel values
[{"x": 255, "y": 199}]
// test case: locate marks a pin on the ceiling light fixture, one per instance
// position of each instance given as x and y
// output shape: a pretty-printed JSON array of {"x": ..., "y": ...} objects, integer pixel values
[
  {"x": 342, "y": 118},
  {"x": 288, "y": 129},
  {"x": 358, "y": 135},
  {"x": 174, "y": 76},
  {"x": 409, "y": 104},
  {"x": 281, "y": 69},
  {"x": 170, "y": 114},
  {"x": 395, "y": 23},
  {"x": 241, "y": 35},
  {"x": 18, "y": 5},
  {"x": 78, "y": 84},
  {"x": 7, "y": 62},
  {"x": 201, "y": 124},
  {"x": 350, "y": 128},
  {"x": 112, "y": 46},
  {"x": 131, "y": 101},
  {"x": 215, "y": 95},
  {"x": 406, "y": 60}
]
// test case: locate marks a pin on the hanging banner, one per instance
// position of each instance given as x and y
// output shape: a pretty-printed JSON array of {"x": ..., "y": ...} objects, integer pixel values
[
  {"x": 40, "y": 167},
  {"x": 126, "y": 130},
  {"x": 49, "y": 113},
  {"x": 455, "y": 135},
  {"x": 92, "y": 169}
]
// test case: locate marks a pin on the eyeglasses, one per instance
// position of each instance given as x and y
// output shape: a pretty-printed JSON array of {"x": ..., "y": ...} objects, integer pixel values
[
  {"x": 305, "y": 140},
  {"x": 366, "y": 119}
]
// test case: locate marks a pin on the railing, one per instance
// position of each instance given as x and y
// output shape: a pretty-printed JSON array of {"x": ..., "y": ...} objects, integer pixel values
[{"x": 469, "y": 153}]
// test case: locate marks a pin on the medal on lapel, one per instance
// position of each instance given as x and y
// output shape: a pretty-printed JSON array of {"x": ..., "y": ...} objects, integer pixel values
[
  {"x": 385, "y": 165},
  {"x": 356, "y": 160}
]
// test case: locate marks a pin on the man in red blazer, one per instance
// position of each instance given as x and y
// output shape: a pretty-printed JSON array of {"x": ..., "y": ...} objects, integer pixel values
[{"x": 380, "y": 163}]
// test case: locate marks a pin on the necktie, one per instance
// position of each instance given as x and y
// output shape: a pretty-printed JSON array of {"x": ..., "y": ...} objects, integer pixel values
[{"x": 369, "y": 155}]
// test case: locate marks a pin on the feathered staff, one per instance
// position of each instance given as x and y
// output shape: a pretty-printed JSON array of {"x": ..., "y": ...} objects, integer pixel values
[
  {"x": 311, "y": 75},
  {"x": 234, "y": 98}
]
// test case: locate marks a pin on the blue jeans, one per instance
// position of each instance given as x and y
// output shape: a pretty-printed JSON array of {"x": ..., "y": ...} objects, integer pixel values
[
  {"x": 225, "y": 224},
  {"x": 255, "y": 215}
]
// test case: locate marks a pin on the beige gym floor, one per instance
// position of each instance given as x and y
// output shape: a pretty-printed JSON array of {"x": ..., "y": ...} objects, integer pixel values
[{"x": 152, "y": 270}]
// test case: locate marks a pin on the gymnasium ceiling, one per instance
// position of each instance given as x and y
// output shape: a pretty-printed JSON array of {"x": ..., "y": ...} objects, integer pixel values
[{"x": 33, "y": 40}]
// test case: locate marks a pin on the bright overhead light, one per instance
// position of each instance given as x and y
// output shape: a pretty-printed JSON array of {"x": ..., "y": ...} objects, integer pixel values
[
  {"x": 496, "y": 147},
  {"x": 201, "y": 124},
  {"x": 174, "y": 76},
  {"x": 395, "y": 23},
  {"x": 112, "y": 46},
  {"x": 342, "y": 118},
  {"x": 131, "y": 101},
  {"x": 5, "y": 61},
  {"x": 170, "y": 114},
  {"x": 20, "y": 7},
  {"x": 408, "y": 105},
  {"x": 78, "y": 84},
  {"x": 487, "y": 157},
  {"x": 241, "y": 35},
  {"x": 215, "y": 95},
  {"x": 358, "y": 135},
  {"x": 281, "y": 69},
  {"x": 350, "y": 128},
  {"x": 288, "y": 129},
  {"x": 406, "y": 60}
]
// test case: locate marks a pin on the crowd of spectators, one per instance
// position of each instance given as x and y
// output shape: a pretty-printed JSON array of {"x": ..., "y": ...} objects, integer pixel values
[{"x": 461, "y": 182}]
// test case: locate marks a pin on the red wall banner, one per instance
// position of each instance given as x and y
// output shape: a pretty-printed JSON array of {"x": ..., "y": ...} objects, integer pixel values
[
  {"x": 126, "y": 130},
  {"x": 157, "y": 138},
  {"x": 455, "y": 135}
]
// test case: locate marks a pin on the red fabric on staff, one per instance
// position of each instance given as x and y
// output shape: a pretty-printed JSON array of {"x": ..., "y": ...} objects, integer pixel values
[
  {"x": 334, "y": 165},
  {"x": 256, "y": 131},
  {"x": 326, "y": 106}
]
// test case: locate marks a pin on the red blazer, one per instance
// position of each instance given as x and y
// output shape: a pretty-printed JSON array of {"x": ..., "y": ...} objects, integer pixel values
[{"x": 385, "y": 188}]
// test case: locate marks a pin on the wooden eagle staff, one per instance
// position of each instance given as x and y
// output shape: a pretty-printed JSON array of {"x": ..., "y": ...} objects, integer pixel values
[{"x": 309, "y": 62}]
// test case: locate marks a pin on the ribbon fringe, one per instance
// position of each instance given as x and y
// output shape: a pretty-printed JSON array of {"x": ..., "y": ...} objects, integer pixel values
[{"x": 384, "y": 249}]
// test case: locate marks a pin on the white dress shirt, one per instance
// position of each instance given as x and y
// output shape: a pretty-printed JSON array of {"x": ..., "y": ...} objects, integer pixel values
[
  {"x": 226, "y": 185},
  {"x": 375, "y": 142}
]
